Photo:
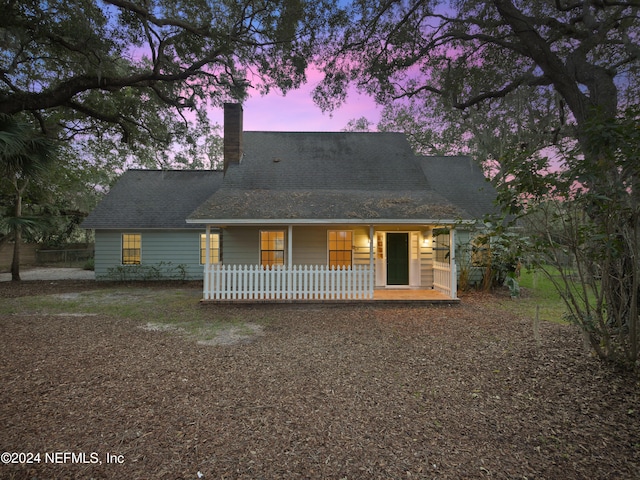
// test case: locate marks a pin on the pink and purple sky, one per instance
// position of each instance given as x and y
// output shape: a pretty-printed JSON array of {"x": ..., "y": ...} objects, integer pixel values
[{"x": 296, "y": 112}]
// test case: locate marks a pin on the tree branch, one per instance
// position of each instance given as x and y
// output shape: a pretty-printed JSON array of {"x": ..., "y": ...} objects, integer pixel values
[
  {"x": 143, "y": 13},
  {"x": 116, "y": 119},
  {"x": 540, "y": 52},
  {"x": 63, "y": 92},
  {"x": 527, "y": 79}
]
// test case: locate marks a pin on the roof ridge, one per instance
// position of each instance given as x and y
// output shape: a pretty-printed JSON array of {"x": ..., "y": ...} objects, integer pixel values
[
  {"x": 321, "y": 132},
  {"x": 192, "y": 170}
]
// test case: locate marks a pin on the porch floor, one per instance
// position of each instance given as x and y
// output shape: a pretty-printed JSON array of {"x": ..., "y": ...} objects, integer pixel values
[{"x": 410, "y": 294}]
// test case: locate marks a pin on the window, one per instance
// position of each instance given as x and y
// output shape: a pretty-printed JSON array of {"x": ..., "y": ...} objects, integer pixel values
[
  {"x": 131, "y": 243},
  {"x": 271, "y": 248},
  {"x": 340, "y": 248},
  {"x": 441, "y": 245},
  {"x": 214, "y": 248}
]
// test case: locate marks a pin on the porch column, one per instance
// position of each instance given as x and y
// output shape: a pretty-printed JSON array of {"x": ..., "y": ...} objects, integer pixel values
[
  {"x": 452, "y": 260},
  {"x": 289, "y": 260},
  {"x": 289, "y": 245},
  {"x": 371, "y": 263},
  {"x": 207, "y": 261}
]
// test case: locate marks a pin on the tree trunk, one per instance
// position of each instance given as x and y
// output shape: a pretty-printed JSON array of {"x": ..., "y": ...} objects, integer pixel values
[{"x": 15, "y": 263}]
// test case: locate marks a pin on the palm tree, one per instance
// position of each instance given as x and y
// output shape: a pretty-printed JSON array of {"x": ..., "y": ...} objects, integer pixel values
[{"x": 24, "y": 156}]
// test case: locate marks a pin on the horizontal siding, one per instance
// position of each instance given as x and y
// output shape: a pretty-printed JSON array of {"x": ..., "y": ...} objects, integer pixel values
[
  {"x": 241, "y": 246},
  {"x": 361, "y": 251},
  {"x": 174, "y": 254},
  {"x": 426, "y": 264},
  {"x": 310, "y": 246},
  {"x": 463, "y": 256},
  {"x": 108, "y": 252}
]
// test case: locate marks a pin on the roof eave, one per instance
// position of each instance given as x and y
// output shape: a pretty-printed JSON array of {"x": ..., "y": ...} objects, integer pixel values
[
  {"x": 331, "y": 221},
  {"x": 133, "y": 227}
]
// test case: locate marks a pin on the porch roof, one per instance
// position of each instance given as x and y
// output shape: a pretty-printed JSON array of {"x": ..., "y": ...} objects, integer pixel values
[{"x": 324, "y": 206}]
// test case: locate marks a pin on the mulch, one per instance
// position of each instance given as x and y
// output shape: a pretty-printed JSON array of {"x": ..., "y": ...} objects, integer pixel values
[{"x": 371, "y": 392}]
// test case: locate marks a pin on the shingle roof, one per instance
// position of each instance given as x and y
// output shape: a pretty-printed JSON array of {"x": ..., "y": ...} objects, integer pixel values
[
  {"x": 461, "y": 180},
  {"x": 303, "y": 176},
  {"x": 143, "y": 199},
  {"x": 324, "y": 204},
  {"x": 337, "y": 161},
  {"x": 339, "y": 176}
]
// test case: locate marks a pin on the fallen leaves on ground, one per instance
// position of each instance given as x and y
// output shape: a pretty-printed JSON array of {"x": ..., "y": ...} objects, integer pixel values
[{"x": 349, "y": 392}]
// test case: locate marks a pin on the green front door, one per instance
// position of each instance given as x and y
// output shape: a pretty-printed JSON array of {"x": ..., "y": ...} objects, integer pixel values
[{"x": 397, "y": 259}]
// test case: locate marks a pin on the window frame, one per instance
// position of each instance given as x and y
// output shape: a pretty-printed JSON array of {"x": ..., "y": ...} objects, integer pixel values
[
  {"x": 280, "y": 253},
  {"x": 339, "y": 262},
  {"x": 442, "y": 245},
  {"x": 124, "y": 246},
  {"x": 214, "y": 253}
]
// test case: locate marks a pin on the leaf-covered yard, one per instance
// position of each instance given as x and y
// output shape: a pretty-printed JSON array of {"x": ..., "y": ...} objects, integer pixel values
[{"x": 314, "y": 391}]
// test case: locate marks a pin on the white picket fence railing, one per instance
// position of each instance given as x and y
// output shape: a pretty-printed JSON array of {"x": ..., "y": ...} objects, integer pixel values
[
  {"x": 442, "y": 278},
  {"x": 284, "y": 282}
]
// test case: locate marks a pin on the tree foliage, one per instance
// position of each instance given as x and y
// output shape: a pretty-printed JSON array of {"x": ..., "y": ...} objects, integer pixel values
[
  {"x": 538, "y": 88},
  {"x": 25, "y": 157},
  {"x": 361, "y": 124},
  {"x": 472, "y": 71},
  {"x": 144, "y": 72},
  {"x": 584, "y": 227}
]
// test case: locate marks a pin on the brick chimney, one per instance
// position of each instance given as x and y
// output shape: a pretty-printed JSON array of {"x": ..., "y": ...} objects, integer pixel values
[{"x": 232, "y": 134}]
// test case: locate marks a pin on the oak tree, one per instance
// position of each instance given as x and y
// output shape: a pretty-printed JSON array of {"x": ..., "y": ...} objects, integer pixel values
[{"x": 514, "y": 81}]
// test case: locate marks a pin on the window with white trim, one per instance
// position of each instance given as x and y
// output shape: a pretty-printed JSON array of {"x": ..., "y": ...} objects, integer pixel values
[
  {"x": 131, "y": 248},
  {"x": 340, "y": 248},
  {"x": 271, "y": 248},
  {"x": 441, "y": 245},
  {"x": 214, "y": 248}
]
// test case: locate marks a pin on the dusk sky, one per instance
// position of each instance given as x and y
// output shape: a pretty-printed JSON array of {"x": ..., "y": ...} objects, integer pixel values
[{"x": 296, "y": 112}]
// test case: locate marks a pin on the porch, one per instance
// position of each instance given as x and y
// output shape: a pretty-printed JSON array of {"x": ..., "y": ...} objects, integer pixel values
[
  {"x": 315, "y": 284},
  {"x": 361, "y": 266}
]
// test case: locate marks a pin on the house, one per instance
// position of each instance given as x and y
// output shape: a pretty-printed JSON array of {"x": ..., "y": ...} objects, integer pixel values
[{"x": 296, "y": 216}]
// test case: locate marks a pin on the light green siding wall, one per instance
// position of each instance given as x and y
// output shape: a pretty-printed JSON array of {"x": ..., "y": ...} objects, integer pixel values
[
  {"x": 310, "y": 246},
  {"x": 177, "y": 253},
  {"x": 241, "y": 246},
  {"x": 165, "y": 254},
  {"x": 108, "y": 252}
]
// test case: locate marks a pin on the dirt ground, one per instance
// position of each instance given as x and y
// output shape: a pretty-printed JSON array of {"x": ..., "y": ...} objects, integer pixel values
[
  {"x": 50, "y": 273},
  {"x": 358, "y": 392}
]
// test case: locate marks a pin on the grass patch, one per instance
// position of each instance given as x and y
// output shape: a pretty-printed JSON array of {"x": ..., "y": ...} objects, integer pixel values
[
  {"x": 537, "y": 291},
  {"x": 177, "y": 309}
]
